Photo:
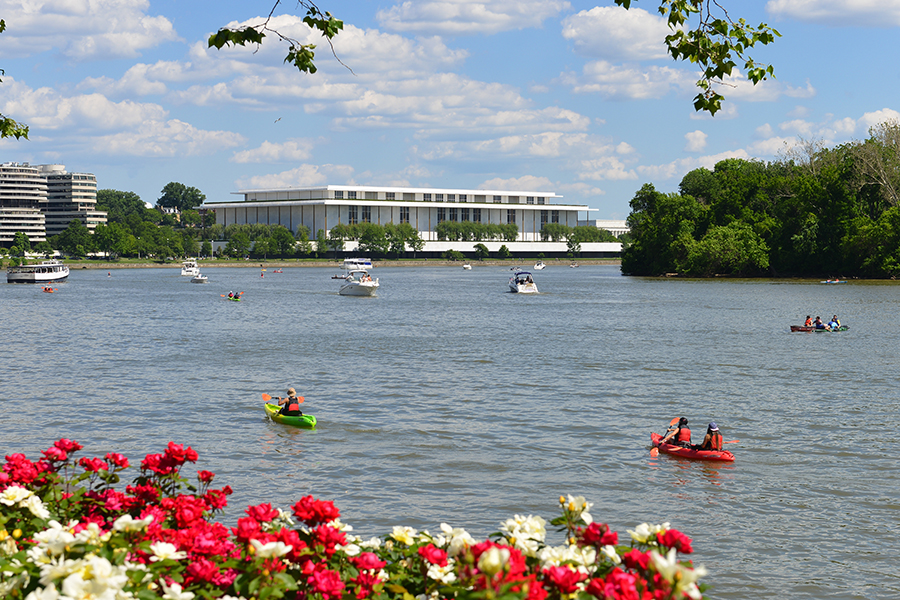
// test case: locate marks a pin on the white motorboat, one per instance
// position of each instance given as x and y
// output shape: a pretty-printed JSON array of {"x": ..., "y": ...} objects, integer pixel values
[
  {"x": 44, "y": 272},
  {"x": 539, "y": 265},
  {"x": 522, "y": 283},
  {"x": 467, "y": 267},
  {"x": 198, "y": 278},
  {"x": 359, "y": 283},
  {"x": 189, "y": 268},
  {"x": 357, "y": 263}
]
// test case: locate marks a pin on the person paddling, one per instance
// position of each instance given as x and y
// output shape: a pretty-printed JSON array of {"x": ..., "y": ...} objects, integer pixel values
[
  {"x": 808, "y": 322},
  {"x": 712, "y": 440},
  {"x": 680, "y": 436},
  {"x": 290, "y": 406}
]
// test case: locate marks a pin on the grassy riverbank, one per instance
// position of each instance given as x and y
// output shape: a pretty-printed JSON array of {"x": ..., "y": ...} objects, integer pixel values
[{"x": 135, "y": 263}]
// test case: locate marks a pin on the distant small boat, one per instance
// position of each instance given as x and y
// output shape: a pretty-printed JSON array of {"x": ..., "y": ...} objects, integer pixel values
[
  {"x": 812, "y": 329},
  {"x": 467, "y": 267},
  {"x": 352, "y": 264},
  {"x": 359, "y": 283},
  {"x": 522, "y": 283},
  {"x": 198, "y": 278},
  {"x": 573, "y": 266},
  {"x": 834, "y": 281},
  {"x": 539, "y": 265},
  {"x": 189, "y": 268}
]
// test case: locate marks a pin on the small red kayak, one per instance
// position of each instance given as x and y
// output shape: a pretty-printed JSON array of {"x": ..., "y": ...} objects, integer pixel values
[{"x": 721, "y": 455}]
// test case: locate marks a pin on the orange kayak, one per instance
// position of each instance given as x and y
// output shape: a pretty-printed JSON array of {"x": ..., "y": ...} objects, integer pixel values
[{"x": 721, "y": 455}]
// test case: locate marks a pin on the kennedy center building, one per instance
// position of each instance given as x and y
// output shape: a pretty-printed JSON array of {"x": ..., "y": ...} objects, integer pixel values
[{"x": 321, "y": 208}]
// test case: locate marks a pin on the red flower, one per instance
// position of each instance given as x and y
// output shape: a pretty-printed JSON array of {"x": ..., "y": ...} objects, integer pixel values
[
  {"x": 675, "y": 539},
  {"x": 205, "y": 476},
  {"x": 247, "y": 529},
  {"x": 326, "y": 582},
  {"x": 365, "y": 584},
  {"x": 328, "y": 537},
  {"x": 618, "y": 585},
  {"x": 368, "y": 561},
  {"x": 635, "y": 559},
  {"x": 216, "y": 499},
  {"x": 565, "y": 579},
  {"x": 117, "y": 459},
  {"x": 54, "y": 454},
  {"x": 68, "y": 446},
  {"x": 313, "y": 512},
  {"x": 179, "y": 455},
  {"x": 598, "y": 534},
  {"x": 433, "y": 555},
  {"x": 93, "y": 464},
  {"x": 202, "y": 569},
  {"x": 262, "y": 513}
]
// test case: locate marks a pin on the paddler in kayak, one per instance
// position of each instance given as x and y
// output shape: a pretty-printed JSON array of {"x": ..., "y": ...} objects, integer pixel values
[
  {"x": 712, "y": 440},
  {"x": 808, "y": 322},
  {"x": 679, "y": 436},
  {"x": 290, "y": 406}
]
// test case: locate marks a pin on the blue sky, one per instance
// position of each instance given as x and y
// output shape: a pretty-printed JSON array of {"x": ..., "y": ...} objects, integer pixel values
[{"x": 576, "y": 98}]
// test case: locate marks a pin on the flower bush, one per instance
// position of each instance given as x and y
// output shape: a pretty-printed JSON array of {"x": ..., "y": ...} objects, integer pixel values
[{"x": 68, "y": 530}]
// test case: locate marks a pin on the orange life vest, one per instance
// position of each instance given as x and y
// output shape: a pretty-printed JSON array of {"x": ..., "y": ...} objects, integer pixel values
[
  {"x": 684, "y": 435},
  {"x": 715, "y": 441}
]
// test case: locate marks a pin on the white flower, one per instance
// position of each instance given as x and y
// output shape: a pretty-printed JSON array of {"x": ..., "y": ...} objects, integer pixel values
[
  {"x": 165, "y": 550},
  {"x": 459, "y": 539},
  {"x": 579, "y": 505},
  {"x": 682, "y": 578},
  {"x": 373, "y": 543},
  {"x": 404, "y": 535},
  {"x": 57, "y": 568},
  {"x": 611, "y": 554},
  {"x": 54, "y": 539},
  {"x": 14, "y": 494},
  {"x": 128, "y": 523},
  {"x": 270, "y": 549},
  {"x": 443, "y": 574},
  {"x": 644, "y": 532},
  {"x": 34, "y": 504},
  {"x": 493, "y": 560},
  {"x": 174, "y": 592},
  {"x": 525, "y": 533},
  {"x": 91, "y": 535},
  {"x": 340, "y": 526},
  {"x": 96, "y": 578},
  {"x": 578, "y": 558},
  {"x": 47, "y": 593},
  {"x": 10, "y": 582}
]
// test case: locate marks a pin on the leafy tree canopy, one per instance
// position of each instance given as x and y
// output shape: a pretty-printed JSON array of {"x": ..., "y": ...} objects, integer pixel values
[{"x": 181, "y": 197}]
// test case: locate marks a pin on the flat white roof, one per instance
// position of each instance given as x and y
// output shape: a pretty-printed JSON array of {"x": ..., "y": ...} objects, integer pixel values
[{"x": 408, "y": 190}]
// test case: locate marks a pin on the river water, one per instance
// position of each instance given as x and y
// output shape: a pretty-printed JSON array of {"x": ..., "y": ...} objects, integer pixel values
[{"x": 448, "y": 399}]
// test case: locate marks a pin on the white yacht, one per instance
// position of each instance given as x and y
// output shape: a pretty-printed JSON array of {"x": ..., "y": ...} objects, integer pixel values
[
  {"x": 189, "y": 268},
  {"x": 198, "y": 278},
  {"x": 357, "y": 263},
  {"x": 467, "y": 267},
  {"x": 45, "y": 272},
  {"x": 359, "y": 283},
  {"x": 522, "y": 283},
  {"x": 539, "y": 265}
]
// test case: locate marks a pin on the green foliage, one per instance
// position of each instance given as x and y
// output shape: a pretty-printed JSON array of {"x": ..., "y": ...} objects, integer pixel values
[
  {"x": 481, "y": 251},
  {"x": 503, "y": 253},
  {"x": 206, "y": 248},
  {"x": 21, "y": 244},
  {"x": 76, "y": 239},
  {"x": 463, "y": 231},
  {"x": 238, "y": 245},
  {"x": 453, "y": 255},
  {"x": 180, "y": 197},
  {"x": 733, "y": 249},
  {"x": 321, "y": 243}
]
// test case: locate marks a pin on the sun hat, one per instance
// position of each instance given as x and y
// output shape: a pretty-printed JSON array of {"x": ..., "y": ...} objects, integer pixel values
[
  {"x": 713, "y": 427},
  {"x": 292, "y": 392}
]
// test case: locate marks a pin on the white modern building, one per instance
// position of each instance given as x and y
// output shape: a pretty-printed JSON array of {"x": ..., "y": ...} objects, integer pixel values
[
  {"x": 615, "y": 227},
  {"x": 70, "y": 196},
  {"x": 321, "y": 208},
  {"x": 23, "y": 193}
]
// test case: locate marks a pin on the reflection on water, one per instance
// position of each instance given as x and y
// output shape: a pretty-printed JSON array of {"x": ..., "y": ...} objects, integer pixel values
[{"x": 447, "y": 399}]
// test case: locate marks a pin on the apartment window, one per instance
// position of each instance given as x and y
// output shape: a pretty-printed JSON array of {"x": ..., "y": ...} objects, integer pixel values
[
  {"x": 513, "y": 200},
  {"x": 367, "y": 214},
  {"x": 438, "y": 197},
  {"x": 476, "y": 215},
  {"x": 408, "y": 196},
  {"x": 462, "y": 198},
  {"x": 540, "y": 200},
  {"x": 339, "y": 194},
  {"x": 404, "y": 214},
  {"x": 451, "y": 197},
  {"x": 352, "y": 215},
  {"x": 371, "y": 195},
  {"x": 351, "y": 195},
  {"x": 554, "y": 216},
  {"x": 426, "y": 197},
  {"x": 545, "y": 217},
  {"x": 454, "y": 215},
  {"x": 442, "y": 215},
  {"x": 511, "y": 216},
  {"x": 390, "y": 196},
  {"x": 464, "y": 214},
  {"x": 529, "y": 199},
  {"x": 496, "y": 199}
]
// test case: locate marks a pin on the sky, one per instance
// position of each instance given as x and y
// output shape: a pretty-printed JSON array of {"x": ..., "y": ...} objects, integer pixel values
[{"x": 576, "y": 98}]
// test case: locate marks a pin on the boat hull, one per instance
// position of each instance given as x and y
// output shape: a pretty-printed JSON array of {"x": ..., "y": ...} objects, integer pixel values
[
  {"x": 523, "y": 288},
  {"x": 356, "y": 288},
  {"x": 305, "y": 421},
  {"x": 712, "y": 455},
  {"x": 200, "y": 279},
  {"x": 814, "y": 330},
  {"x": 46, "y": 272}
]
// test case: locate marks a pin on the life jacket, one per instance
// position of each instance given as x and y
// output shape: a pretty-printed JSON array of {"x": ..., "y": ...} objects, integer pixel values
[
  {"x": 683, "y": 435},
  {"x": 292, "y": 406},
  {"x": 715, "y": 441},
  {"x": 808, "y": 323}
]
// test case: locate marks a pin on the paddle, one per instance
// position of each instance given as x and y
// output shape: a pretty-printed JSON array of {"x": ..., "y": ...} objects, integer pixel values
[
  {"x": 732, "y": 442},
  {"x": 655, "y": 451},
  {"x": 266, "y": 398}
]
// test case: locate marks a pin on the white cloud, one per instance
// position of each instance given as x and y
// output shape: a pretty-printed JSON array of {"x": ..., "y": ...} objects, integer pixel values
[
  {"x": 771, "y": 147},
  {"x": 607, "y": 168},
  {"x": 81, "y": 30},
  {"x": 678, "y": 168},
  {"x": 581, "y": 189},
  {"x": 696, "y": 141},
  {"x": 302, "y": 176},
  {"x": 839, "y": 13},
  {"x": 613, "y": 32},
  {"x": 267, "y": 152},
  {"x": 525, "y": 183},
  {"x": 468, "y": 17},
  {"x": 879, "y": 116},
  {"x": 629, "y": 82},
  {"x": 170, "y": 138}
]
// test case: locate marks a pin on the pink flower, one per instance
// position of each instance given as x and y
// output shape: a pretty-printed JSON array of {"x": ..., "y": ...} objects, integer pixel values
[
  {"x": 433, "y": 555},
  {"x": 54, "y": 454},
  {"x": 68, "y": 446},
  {"x": 326, "y": 582},
  {"x": 262, "y": 513},
  {"x": 117, "y": 459},
  {"x": 368, "y": 561},
  {"x": 675, "y": 539}
]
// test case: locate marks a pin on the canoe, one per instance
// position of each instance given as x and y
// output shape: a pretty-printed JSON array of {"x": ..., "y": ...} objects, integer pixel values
[
  {"x": 813, "y": 329},
  {"x": 307, "y": 421},
  {"x": 720, "y": 455}
]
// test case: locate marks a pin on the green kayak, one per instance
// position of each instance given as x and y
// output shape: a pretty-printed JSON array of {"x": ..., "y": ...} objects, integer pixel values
[{"x": 307, "y": 421}]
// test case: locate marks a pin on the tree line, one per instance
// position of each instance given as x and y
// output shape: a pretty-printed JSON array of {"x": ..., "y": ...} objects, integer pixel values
[{"x": 817, "y": 211}]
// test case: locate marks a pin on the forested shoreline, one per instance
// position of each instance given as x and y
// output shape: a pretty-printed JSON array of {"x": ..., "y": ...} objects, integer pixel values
[{"x": 818, "y": 211}]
